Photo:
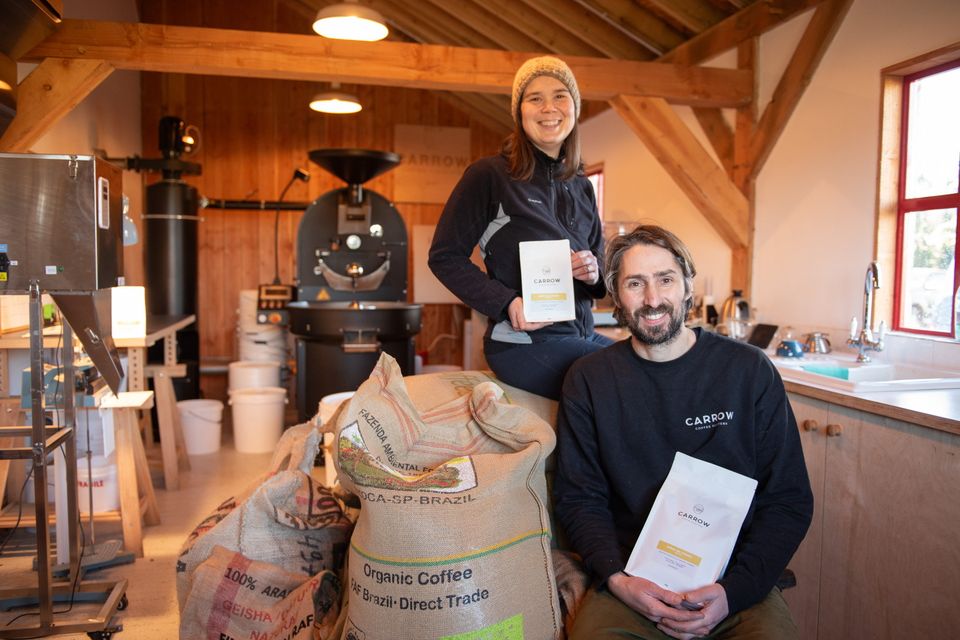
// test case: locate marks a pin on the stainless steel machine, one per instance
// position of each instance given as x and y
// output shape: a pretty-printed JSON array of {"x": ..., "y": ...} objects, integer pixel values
[
  {"x": 351, "y": 282},
  {"x": 60, "y": 226},
  {"x": 60, "y": 233}
]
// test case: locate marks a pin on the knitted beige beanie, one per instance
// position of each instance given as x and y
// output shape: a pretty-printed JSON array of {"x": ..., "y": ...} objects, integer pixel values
[{"x": 543, "y": 66}]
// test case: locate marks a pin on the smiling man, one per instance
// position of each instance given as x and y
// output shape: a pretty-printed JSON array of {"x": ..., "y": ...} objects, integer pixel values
[{"x": 628, "y": 409}]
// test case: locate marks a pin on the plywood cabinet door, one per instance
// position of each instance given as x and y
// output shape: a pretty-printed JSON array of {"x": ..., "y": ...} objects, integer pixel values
[
  {"x": 881, "y": 560},
  {"x": 803, "y": 599},
  {"x": 890, "y": 553}
]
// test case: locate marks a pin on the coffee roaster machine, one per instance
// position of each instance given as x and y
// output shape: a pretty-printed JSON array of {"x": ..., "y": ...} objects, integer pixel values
[
  {"x": 351, "y": 282},
  {"x": 60, "y": 233}
]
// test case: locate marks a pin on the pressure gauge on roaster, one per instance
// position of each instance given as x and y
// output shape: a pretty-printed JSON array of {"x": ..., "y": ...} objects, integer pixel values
[
  {"x": 353, "y": 241},
  {"x": 376, "y": 230}
]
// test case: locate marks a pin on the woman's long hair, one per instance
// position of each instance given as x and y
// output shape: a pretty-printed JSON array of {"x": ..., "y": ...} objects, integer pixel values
[{"x": 521, "y": 153}]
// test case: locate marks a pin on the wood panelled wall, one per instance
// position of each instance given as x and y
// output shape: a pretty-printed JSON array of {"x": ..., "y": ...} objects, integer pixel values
[{"x": 254, "y": 133}]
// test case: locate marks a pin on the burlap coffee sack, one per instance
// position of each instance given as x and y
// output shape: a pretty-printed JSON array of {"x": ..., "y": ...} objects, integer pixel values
[
  {"x": 432, "y": 390},
  {"x": 453, "y": 538},
  {"x": 233, "y": 597},
  {"x": 430, "y": 393},
  {"x": 286, "y": 518},
  {"x": 297, "y": 448}
]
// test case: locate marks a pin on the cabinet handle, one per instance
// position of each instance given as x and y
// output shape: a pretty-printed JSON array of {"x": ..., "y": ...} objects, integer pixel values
[
  {"x": 834, "y": 430},
  {"x": 810, "y": 425}
]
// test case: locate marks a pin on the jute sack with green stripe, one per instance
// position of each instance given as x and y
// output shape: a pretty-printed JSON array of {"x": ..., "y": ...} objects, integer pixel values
[{"x": 453, "y": 538}]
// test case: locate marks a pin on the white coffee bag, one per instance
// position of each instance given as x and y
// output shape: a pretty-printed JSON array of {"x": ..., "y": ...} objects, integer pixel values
[
  {"x": 689, "y": 535},
  {"x": 547, "y": 280}
]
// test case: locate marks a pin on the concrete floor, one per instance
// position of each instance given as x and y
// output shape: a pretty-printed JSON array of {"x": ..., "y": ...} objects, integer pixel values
[{"x": 152, "y": 612}]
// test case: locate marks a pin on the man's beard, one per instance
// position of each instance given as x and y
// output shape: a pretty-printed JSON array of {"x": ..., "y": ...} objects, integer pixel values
[{"x": 660, "y": 334}]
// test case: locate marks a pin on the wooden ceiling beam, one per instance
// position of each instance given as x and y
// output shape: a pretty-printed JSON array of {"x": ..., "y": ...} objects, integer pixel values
[
  {"x": 503, "y": 32},
  {"x": 546, "y": 33},
  {"x": 433, "y": 31},
  {"x": 493, "y": 117},
  {"x": 697, "y": 16},
  {"x": 741, "y": 262},
  {"x": 755, "y": 20},
  {"x": 636, "y": 22},
  {"x": 573, "y": 18},
  {"x": 813, "y": 45},
  {"x": 719, "y": 133},
  {"x": 692, "y": 168},
  {"x": 501, "y": 105},
  {"x": 478, "y": 106},
  {"x": 748, "y": 57},
  {"x": 410, "y": 25},
  {"x": 692, "y": 16},
  {"x": 741, "y": 27},
  {"x": 150, "y": 47},
  {"x": 50, "y": 91},
  {"x": 497, "y": 107}
]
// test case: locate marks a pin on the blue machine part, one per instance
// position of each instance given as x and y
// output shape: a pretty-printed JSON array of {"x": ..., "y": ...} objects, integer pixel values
[{"x": 53, "y": 386}]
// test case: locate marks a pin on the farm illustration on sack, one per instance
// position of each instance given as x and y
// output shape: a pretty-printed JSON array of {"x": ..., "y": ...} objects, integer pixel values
[{"x": 365, "y": 469}]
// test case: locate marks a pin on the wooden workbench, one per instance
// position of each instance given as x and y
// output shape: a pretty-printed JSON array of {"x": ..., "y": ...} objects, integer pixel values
[
  {"x": 158, "y": 328},
  {"x": 173, "y": 449}
]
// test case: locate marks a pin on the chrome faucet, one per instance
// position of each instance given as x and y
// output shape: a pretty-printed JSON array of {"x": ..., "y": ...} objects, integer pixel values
[{"x": 863, "y": 339}]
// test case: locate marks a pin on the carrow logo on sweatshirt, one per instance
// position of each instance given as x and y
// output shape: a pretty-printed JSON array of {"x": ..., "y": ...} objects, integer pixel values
[{"x": 709, "y": 420}]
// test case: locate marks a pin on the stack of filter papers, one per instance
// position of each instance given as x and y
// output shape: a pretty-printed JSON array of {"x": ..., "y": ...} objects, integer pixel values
[{"x": 689, "y": 535}]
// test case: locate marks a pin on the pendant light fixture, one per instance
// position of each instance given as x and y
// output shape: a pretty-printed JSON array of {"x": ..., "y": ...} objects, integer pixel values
[
  {"x": 335, "y": 101},
  {"x": 350, "y": 21}
]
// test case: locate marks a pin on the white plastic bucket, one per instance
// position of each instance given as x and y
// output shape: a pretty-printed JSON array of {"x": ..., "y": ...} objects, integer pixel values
[
  {"x": 257, "y": 418},
  {"x": 266, "y": 344},
  {"x": 102, "y": 477},
  {"x": 200, "y": 420},
  {"x": 30, "y": 492},
  {"x": 329, "y": 404},
  {"x": 246, "y": 374},
  {"x": 258, "y": 342}
]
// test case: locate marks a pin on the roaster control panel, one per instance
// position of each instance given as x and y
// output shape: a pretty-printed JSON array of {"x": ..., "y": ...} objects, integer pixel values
[{"x": 272, "y": 302}]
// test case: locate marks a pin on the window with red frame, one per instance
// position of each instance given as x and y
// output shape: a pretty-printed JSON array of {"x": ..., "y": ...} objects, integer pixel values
[{"x": 925, "y": 294}]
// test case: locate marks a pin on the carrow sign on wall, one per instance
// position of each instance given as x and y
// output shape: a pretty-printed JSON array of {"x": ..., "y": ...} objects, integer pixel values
[{"x": 432, "y": 159}]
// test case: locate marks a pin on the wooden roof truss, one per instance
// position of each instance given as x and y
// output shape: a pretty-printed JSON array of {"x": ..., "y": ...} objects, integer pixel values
[{"x": 639, "y": 57}]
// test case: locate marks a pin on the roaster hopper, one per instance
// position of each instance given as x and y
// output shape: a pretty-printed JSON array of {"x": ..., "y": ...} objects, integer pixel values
[{"x": 351, "y": 282}]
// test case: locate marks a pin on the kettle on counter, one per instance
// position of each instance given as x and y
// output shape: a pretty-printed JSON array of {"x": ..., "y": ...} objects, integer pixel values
[
  {"x": 817, "y": 342},
  {"x": 735, "y": 316}
]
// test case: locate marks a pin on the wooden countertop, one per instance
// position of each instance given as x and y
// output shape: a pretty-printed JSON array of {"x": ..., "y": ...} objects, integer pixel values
[{"x": 933, "y": 408}]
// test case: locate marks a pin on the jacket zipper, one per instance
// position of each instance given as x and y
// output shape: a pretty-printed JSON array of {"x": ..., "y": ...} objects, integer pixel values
[
  {"x": 579, "y": 322},
  {"x": 553, "y": 193}
]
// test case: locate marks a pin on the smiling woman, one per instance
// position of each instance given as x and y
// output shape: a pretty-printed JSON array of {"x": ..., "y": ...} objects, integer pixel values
[
  {"x": 547, "y": 113},
  {"x": 535, "y": 190}
]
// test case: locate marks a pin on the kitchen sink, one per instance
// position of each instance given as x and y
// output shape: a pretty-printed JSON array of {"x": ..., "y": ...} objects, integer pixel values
[{"x": 846, "y": 374}]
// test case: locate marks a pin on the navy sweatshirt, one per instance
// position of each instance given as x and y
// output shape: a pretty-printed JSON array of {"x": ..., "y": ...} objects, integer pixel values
[
  {"x": 622, "y": 418},
  {"x": 489, "y": 208}
]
